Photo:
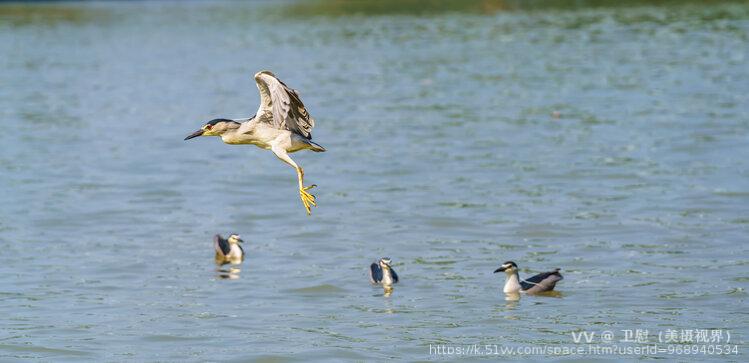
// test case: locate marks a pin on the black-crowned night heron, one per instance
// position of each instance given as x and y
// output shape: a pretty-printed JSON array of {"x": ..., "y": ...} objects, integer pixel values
[
  {"x": 381, "y": 272},
  {"x": 539, "y": 283},
  {"x": 281, "y": 125},
  {"x": 228, "y": 250}
]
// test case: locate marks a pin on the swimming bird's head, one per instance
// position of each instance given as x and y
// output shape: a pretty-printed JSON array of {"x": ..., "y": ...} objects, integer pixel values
[
  {"x": 234, "y": 239},
  {"x": 215, "y": 127},
  {"x": 508, "y": 267},
  {"x": 385, "y": 263}
]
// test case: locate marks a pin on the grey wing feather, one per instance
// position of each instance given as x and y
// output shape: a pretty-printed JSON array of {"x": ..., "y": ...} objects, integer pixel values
[
  {"x": 221, "y": 245},
  {"x": 395, "y": 275},
  {"x": 375, "y": 273},
  {"x": 281, "y": 106},
  {"x": 542, "y": 282}
]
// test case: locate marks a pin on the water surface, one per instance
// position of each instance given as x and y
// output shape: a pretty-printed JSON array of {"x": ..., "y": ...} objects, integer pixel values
[{"x": 610, "y": 141}]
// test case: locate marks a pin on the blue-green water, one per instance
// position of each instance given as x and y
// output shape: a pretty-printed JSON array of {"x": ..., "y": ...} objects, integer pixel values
[{"x": 610, "y": 141}]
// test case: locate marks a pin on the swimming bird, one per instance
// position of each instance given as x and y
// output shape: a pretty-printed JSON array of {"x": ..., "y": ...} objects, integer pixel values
[
  {"x": 539, "y": 283},
  {"x": 281, "y": 125},
  {"x": 228, "y": 250},
  {"x": 380, "y": 272}
]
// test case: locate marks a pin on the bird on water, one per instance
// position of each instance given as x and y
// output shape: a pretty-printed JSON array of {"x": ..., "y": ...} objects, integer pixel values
[
  {"x": 539, "y": 283},
  {"x": 228, "y": 250},
  {"x": 380, "y": 272},
  {"x": 281, "y": 125}
]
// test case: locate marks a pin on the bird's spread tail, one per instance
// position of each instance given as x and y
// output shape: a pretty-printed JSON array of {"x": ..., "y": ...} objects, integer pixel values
[{"x": 316, "y": 148}]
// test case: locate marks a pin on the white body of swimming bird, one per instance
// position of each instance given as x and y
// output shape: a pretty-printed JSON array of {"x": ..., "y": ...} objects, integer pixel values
[
  {"x": 382, "y": 273},
  {"x": 539, "y": 283},
  {"x": 281, "y": 125},
  {"x": 228, "y": 250}
]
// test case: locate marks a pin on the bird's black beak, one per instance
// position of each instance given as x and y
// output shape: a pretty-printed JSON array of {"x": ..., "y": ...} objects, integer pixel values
[
  {"x": 500, "y": 269},
  {"x": 195, "y": 134},
  {"x": 240, "y": 240}
]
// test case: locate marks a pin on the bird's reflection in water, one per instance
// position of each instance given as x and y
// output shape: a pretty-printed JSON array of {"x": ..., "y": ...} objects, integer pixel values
[
  {"x": 389, "y": 308},
  {"x": 230, "y": 272},
  {"x": 512, "y": 299},
  {"x": 553, "y": 293}
]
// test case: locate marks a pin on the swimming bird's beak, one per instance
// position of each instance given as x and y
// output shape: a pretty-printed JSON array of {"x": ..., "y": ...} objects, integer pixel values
[
  {"x": 240, "y": 240},
  {"x": 500, "y": 269},
  {"x": 195, "y": 134}
]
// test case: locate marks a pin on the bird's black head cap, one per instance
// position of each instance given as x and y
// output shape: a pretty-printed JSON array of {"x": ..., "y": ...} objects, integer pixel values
[{"x": 217, "y": 120}]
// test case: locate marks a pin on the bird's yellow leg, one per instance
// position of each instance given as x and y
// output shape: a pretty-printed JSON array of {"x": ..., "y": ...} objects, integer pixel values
[{"x": 307, "y": 198}]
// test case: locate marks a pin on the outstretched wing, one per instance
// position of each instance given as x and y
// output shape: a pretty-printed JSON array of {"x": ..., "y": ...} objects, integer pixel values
[
  {"x": 221, "y": 245},
  {"x": 542, "y": 282},
  {"x": 375, "y": 273},
  {"x": 395, "y": 275},
  {"x": 281, "y": 107}
]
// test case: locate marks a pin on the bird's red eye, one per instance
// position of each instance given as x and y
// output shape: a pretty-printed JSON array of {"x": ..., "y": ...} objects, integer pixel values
[{"x": 208, "y": 127}]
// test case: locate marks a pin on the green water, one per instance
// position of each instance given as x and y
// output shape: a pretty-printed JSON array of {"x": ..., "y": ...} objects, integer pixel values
[{"x": 607, "y": 140}]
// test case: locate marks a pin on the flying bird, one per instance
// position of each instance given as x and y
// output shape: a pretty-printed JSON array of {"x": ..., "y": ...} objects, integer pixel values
[
  {"x": 540, "y": 283},
  {"x": 281, "y": 125}
]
